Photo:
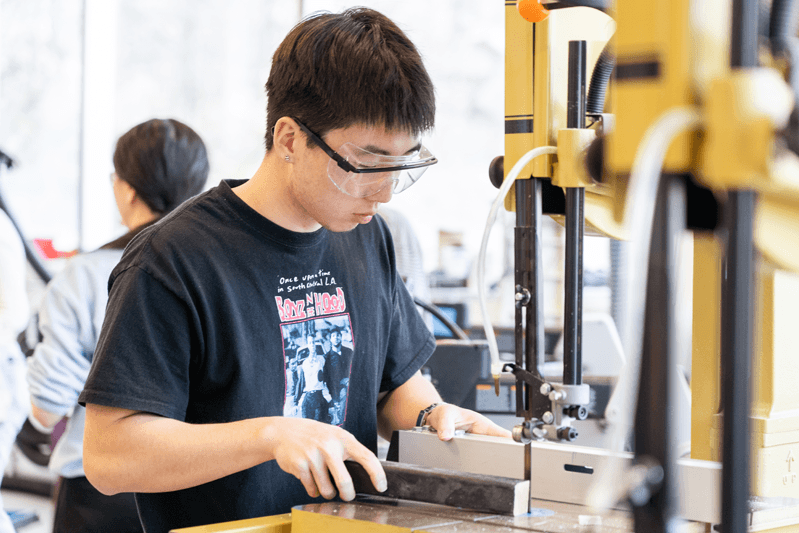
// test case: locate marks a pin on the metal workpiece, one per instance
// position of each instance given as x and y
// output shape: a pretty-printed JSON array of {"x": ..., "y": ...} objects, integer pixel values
[{"x": 479, "y": 492}]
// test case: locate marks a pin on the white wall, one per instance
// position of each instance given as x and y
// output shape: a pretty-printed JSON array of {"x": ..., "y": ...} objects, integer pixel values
[{"x": 205, "y": 62}]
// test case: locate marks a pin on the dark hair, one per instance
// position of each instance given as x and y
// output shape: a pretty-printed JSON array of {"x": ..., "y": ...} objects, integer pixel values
[
  {"x": 164, "y": 161},
  {"x": 357, "y": 67}
]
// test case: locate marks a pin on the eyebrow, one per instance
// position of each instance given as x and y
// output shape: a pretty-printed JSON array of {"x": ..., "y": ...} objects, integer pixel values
[{"x": 376, "y": 150}]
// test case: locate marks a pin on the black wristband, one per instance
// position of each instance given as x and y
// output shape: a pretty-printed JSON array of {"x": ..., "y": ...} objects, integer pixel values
[{"x": 420, "y": 420}]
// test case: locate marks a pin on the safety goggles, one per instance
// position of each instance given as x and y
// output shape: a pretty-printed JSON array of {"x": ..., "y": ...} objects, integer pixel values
[{"x": 361, "y": 173}]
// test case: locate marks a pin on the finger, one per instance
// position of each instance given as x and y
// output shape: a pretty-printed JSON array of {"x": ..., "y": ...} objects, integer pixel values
[
  {"x": 322, "y": 478},
  {"x": 362, "y": 455},
  {"x": 342, "y": 479},
  {"x": 492, "y": 429},
  {"x": 306, "y": 478},
  {"x": 481, "y": 425},
  {"x": 445, "y": 422}
]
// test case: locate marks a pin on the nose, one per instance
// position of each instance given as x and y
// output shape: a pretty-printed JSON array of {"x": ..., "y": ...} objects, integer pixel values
[{"x": 385, "y": 194}]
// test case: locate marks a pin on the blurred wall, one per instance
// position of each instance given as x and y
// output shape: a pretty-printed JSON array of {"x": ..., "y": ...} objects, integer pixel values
[{"x": 75, "y": 74}]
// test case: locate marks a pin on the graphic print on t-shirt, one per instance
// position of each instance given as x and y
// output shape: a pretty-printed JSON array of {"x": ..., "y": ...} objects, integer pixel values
[
  {"x": 318, "y": 358},
  {"x": 317, "y": 349}
]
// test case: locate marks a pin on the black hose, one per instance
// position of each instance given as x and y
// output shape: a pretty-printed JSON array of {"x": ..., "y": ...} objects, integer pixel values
[
  {"x": 602, "y": 5},
  {"x": 784, "y": 43},
  {"x": 783, "y": 24},
  {"x": 436, "y": 312},
  {"x": 600, "y": 77},
  {"x": 31, "y": 256}
]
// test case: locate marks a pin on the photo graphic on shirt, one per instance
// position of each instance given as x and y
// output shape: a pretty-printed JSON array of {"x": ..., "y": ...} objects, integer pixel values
[{"x": 318, "y": 358}]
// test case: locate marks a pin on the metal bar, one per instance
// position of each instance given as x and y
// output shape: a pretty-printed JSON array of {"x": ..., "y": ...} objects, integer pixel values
[
  {"x": 523, "y": 266},
  {"x": 736, "y": 360},
  {"x": 654, "y": 434},
  {"x": 744, "y": 42},
  {"x": 575, "y": 227},
  {"x": 479, "y": 492},
  {"x": 573, "y": 287},
  {"x": 737, "y": 312},
  {"x": 575, "y": 106},
  {"x": 535, "y": 307},
  {"x": 529, "y": 277}
]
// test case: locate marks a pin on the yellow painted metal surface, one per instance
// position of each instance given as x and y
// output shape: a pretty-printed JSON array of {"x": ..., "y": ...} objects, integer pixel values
[
  {"x": 775, "y": 396},
  {"x": 349, "y": 519},
  {"x": 667, "y": 54},
  {"x": 536, "y": 79},
  {"x": 705, "y": 358},
  {"x": 656, "y": 34},
  {"x": 518, "y": 93},
  {"x": 777, "y": 229},
  {"x": 742, "y": 110},
  {"x": 776, "y": 384},
  {"x": 266, "y": 524},
  {"x": 570, "y": 170}
]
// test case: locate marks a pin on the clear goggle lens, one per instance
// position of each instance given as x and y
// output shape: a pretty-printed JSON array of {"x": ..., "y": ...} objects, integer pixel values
[{"x": 375, "y": 172}]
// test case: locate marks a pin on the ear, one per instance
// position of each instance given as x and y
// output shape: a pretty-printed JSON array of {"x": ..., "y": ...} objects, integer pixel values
[
  {"x": 128, "y": 192},
  {"x": 284, "y": 137}
]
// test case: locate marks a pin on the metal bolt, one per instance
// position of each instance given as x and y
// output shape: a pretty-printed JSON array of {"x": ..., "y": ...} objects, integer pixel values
[
  {"x": 520, "y": 435},
  {"x": 522, "y": 296},
  {"x": 567, "y": 433},
  {"x": 545, "y": 389},
  {"x": 555, "y": 395},
  {"x": 548, "y": 417}
]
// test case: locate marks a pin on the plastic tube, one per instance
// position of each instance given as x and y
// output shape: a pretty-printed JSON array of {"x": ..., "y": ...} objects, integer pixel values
[
  {"x": 496, "y": 364},
  {"x": 638, "y": 215}
]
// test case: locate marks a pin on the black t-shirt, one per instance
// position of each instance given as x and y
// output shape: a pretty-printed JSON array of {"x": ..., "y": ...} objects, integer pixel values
[{"x": 205, "y": 311}]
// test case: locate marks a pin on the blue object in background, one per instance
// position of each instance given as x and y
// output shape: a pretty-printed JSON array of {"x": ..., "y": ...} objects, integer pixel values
[
  {"x": 21, "y": 519},
  {"x": 440, "y": 331}
]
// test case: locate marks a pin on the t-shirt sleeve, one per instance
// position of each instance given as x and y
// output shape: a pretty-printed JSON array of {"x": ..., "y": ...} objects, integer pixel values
[
  {"x": 410, "y": 342},
  {"x": 144, "y": 350}
]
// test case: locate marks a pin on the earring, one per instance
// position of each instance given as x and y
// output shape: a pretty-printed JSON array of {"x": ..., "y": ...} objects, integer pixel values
[{"x": 287, "y": 158}]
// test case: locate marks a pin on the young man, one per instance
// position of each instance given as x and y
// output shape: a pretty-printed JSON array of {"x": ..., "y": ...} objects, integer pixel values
[{"x": 188, "y": 384}]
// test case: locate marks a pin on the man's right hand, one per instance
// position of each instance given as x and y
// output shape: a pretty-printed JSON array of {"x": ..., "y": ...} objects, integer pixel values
[
  {"x": 134, "y": 451},
  {"x": 311, "y": 450}
]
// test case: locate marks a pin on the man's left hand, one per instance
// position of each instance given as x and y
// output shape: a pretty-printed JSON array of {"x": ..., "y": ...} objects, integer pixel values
[{"x": 446, "y": 418}]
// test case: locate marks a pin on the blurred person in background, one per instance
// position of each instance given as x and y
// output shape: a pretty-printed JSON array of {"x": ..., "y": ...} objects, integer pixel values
[
  {"x": 157, "y": 165},
  {"x": 13, "y": 316},
  {"x": 408, "y": 253}
]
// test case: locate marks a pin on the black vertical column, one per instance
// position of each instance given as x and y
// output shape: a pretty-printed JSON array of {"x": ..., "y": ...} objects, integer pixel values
[
  {"x": 529, "y": 276},
  {"x": 737, "y": 312},
  {"x": 575, "y": 227},
  {"x": 654, "y": 435},
  {"x": 736, "y": 361}
]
